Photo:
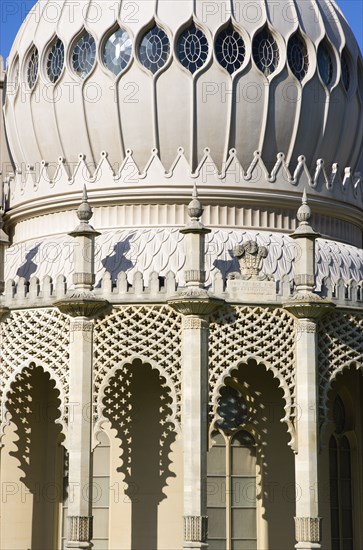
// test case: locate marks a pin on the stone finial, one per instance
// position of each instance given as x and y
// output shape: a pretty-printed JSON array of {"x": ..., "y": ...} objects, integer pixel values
[
  {"x": 195, "y": 209},
  {"x": 304, "y": 215},
  {"x": 84, "y": 211},
  {"x": 304, "y": 212},
  {"x": 84, "y": 214},
  {"x": 84, "y": 252}
]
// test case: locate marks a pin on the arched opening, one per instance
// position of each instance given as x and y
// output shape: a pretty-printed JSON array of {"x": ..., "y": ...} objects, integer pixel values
[
  {"x": 341, "y": 483},
  {"x": 251, "y": 478},
  {"x": 340, "y": 470},
  {"x": 32, "y": 464}
]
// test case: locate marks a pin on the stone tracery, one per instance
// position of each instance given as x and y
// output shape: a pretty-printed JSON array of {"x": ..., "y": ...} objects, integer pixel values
[
  {"x": 152, "y": 333},
  {"x": 241, "y": 333},
  {"x": 340, "y": 347},
  {"x": 40, "y": 336}
]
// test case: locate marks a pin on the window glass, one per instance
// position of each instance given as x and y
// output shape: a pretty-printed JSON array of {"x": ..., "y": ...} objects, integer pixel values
[
  {"x": 117, "y": 51},
  {"x": 341, "y": 498},
  {"x": 193, "y": 49},
  {"x": 154, "y": 49},
  {"x": 55, "y": 61},
  {"x": 297, "y": 55},
  {"x": 33, "y": 68},
  {"x": 345, "y": 70},
  {"x": 230, "y": 50},
  {"x": 265, "y": 52},
  {"x": 325, "y": 64},
  {"x": 84, "y": 55}
]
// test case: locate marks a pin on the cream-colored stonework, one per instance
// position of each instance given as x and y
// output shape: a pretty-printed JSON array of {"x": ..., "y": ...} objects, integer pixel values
[{"x": 186, "y": 372}]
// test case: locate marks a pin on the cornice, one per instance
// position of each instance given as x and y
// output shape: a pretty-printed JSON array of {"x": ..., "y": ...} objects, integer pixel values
[{"x": 32, "y": 193}]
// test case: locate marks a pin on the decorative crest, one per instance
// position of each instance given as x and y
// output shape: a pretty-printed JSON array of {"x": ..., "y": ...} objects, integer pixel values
[{"x": 250, "y": 256}]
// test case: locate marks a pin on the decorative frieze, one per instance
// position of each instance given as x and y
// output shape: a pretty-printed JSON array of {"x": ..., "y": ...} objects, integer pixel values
[
  {"x": 192, "y": 322},
  {"x": 304, "y": 325},
  {"x": 195, "y": 528},
  {"x": 307, "y": 529},
  {"x": 81, "y": 325},
  {"x": 80, "y": 528}
]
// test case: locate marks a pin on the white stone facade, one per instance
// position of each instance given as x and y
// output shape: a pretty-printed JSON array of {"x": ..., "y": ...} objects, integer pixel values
[{"x": 176, "y": 377}]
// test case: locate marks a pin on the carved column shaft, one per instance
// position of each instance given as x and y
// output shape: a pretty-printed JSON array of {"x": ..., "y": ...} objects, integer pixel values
[
  {"x": 195, "y": 428},
  {"x": 306, "y": 459},
  {"x": 4, "y": 243},
  {"x": 79, "y": 433},
  {"x": 195, "y": 257}
]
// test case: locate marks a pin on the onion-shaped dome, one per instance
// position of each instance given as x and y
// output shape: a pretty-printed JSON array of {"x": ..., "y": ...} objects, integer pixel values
[{"x": 276, "y": 77}]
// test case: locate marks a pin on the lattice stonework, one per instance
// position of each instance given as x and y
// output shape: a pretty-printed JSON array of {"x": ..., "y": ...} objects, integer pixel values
[
  {"x": 151, "y": 333},
  {"x": 268, "y": 335},
  {"x": 40, "y": 336},
  {"x": 340, "y": 346}
]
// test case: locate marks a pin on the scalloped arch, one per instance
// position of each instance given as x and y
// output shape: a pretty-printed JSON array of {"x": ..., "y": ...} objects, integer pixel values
[
  {"x": 100, "y": 407},
  {"x": 288, "y": 398},
  {"x": 31, "y": 364},
  {"x": 328, "y": 387}
]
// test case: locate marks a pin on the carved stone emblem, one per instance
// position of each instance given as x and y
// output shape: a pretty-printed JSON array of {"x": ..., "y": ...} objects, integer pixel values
[{"x": 250, "y": 256}]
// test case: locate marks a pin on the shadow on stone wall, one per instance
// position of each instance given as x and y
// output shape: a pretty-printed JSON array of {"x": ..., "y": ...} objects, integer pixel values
[
  {"x": 137, "y": 403},
  {"x": 34, "y": 406}
]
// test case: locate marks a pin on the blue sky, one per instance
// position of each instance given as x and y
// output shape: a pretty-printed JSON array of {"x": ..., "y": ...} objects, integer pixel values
[{"x": 13, "y": 13}]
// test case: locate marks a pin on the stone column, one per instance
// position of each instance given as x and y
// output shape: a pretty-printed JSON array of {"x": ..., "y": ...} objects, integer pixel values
[
  {"x": 196, "y": 304},
  {"x": 4, "y": 243},
  {"x": 307, "y": 520},
  {"x": 80, "y": 433},
  {"x": 307, "y": 307},
  {"x": 83, "y": 307},
  {"x": 195, "y": 428}
]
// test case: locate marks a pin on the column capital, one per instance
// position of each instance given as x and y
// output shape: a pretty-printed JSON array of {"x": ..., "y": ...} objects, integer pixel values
[
  {"x": 308, "y": 305},
  {"x": 83, "y": 304},
  {"x": 307, "y": 529},
  {"x": 195, "y": 301}
]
